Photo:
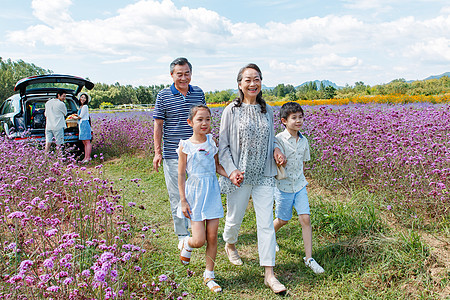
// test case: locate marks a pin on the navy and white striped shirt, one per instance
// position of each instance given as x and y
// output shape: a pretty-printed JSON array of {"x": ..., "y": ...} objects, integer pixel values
[{"x": 173, "y": 107}]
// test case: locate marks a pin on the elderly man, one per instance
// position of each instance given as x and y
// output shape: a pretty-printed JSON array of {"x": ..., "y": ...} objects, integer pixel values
[
  {"x": 55, "y": 113},
  {"x": 170, "y": 125}
]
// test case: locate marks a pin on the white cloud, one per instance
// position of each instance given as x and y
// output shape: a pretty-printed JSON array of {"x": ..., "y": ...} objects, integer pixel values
[
  {"x": 154, "y": 26},
  {"x": 307, "y": 32},
  {"x": 155, "y": 32},
  {"x": 335, "y": 61},
  {"x": 52, "y": 12},
  {"x": 331, "y": 61},
  {"x": 445, "y": 10},
  {"x": 434, "y": 50},
  {"x": 125, "y": 60},
  {"x": 150, "y": 28},
  {"x": 379, "y": 5},
  {"x": 165, "y": 59},
  {"x": 145, "y": 26},
  {"x": 276, "y": 65}
]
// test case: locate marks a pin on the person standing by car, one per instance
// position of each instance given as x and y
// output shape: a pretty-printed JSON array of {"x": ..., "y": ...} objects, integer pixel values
[
  {"x": 55, "y": 113},
  {"x": 170, "y": 125},
  {"x": 84, "y": 126}
]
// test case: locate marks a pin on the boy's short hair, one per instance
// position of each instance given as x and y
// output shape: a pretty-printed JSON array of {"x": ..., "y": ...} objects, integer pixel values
[{"x": 290, "y": 108}]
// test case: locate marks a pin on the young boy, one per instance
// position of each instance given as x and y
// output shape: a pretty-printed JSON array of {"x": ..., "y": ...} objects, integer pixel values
[{"x": 291, "y": 191}]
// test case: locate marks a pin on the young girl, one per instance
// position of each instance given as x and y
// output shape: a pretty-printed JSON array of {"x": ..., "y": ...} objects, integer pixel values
[
  {"x": 200, "y": 193},
  {"x": 84, "y": 126}
]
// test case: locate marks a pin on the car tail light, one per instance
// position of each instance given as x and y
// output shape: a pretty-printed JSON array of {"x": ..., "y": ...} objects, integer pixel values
[{"x": 27, "y": 137}]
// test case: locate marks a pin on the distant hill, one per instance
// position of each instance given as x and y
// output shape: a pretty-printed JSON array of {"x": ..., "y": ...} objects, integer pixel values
[
  {"x": 330, "y": 83},
  {"x": 318, "y": 82},
  {"x": 438, "y": 76},
  {"x": 325, "y": 83},
  {"x": 432, "y": 77}
]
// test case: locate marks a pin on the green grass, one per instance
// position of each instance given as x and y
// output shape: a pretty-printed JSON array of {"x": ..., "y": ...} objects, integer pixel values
[{"x": 364, "y": 254}]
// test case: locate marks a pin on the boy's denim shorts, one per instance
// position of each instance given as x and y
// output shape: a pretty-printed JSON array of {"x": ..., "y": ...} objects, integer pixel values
[{"x": 284, "y": 202}]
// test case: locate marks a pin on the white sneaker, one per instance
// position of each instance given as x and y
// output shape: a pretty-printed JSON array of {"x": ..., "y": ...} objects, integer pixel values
[{"x": 313, "y": 265}]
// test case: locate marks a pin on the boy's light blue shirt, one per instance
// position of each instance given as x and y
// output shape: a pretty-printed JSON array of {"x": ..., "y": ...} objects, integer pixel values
[{"x": 296, "y": 151}]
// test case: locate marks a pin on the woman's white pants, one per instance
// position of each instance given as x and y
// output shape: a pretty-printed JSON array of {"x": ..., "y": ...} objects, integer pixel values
[{"x": 237, "y": 203}]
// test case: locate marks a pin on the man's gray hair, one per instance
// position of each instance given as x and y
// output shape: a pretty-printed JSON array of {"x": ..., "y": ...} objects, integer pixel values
[{"x": 180, "y": 61}]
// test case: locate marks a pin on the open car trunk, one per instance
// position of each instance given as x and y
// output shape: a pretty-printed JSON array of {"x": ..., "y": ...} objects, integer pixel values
[{"x": 34, "y": 109}]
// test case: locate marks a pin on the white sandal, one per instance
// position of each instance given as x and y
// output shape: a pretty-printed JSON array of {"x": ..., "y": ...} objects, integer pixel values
[
  {"x": 277, "y": 287},
  {"x": 212, "y": 285},
  {"x": 233, "y": 256},
  {"x": 185, "y": 255}
]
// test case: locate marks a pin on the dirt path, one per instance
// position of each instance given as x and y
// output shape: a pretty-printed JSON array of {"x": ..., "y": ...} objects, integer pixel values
[{"x": 440, "y": 248}]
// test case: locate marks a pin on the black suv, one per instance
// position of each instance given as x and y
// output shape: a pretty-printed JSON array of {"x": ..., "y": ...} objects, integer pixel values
[{"x": 22, "y": 115}]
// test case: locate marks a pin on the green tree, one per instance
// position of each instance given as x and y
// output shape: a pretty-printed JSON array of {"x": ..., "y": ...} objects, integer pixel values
[
  {"x": 360, "y": 87},
  {"x": 127, "y": 94},
  {"x": 13, "y": 71},
  {"x": 144, "y": 95},
  {"x": 329, "y": 92},
  {"x": 289, "y": 89},
  {"x": 118, "y": 94},
  {"x": 292, "y": 97},
  {"x": 220, "y": 96},
  {"x": 398, "y": 86},
  {"x": 308, "y": 91},
  {"x": 279, "y": 90}
]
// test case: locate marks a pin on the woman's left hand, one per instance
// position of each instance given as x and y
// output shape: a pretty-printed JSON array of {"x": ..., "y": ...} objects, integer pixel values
[{"x": 237, "y": 177}]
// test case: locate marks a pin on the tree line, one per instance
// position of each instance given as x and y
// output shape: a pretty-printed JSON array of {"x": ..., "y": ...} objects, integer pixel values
[
  {"x": 116, "y": 94},
  {"x": 13, "y": 71},
  {"x": 313, "y": 91}
]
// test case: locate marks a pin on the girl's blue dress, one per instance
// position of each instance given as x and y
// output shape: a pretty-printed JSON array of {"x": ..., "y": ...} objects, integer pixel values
[{"x": 202, "y": 186}]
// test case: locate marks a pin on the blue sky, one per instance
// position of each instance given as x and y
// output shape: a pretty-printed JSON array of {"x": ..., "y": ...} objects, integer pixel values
[{"x": 133, "y": 42}]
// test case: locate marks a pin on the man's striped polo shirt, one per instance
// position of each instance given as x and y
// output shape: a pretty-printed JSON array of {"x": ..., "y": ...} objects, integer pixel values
[{"x": 173, "y": 107}]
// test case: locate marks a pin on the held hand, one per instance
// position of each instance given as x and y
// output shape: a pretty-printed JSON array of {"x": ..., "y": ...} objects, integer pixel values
[
  {"x": 185, "y": 208},
  {"x": 237, "y": 177},
  {"x": 240, "y": 178},
  {"x": 157, "y": 161},
  {"x": 280, "y": 158}
]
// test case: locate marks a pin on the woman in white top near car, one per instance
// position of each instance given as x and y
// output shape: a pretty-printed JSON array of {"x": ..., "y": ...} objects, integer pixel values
[{"x": 84, "y": 126}]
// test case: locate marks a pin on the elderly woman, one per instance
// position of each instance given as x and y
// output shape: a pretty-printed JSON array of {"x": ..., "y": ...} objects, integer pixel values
[{"x": 247, "y": 151}]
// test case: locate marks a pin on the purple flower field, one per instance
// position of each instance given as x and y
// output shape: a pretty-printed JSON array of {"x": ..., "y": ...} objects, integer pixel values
[
  {"x": 401, "y": 153},
  {"x": 123, "y": 132},
  {"x": 67, "y": 231}
]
